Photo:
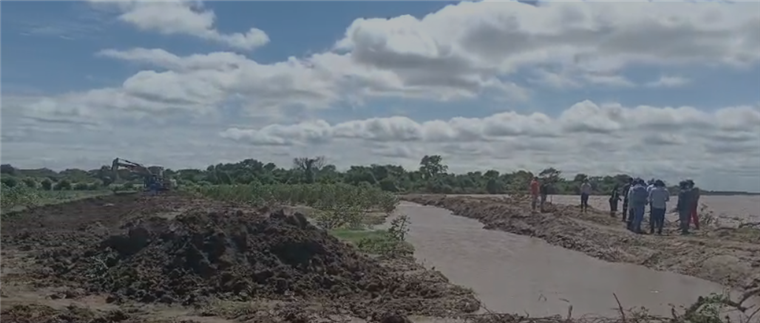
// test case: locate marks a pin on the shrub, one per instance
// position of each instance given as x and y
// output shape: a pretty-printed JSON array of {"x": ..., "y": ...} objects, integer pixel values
[
  {"x": 10, "y": 182},
  {"x": 46, "y": 184},
  {"x": 62, "y": 185},
  {"x": 30, "y": 182}
]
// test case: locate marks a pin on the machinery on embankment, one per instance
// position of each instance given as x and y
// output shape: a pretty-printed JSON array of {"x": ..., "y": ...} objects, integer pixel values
[{"x": 152, "y": 176}]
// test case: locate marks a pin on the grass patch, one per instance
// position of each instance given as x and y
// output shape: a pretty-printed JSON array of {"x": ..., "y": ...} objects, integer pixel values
[
  {"x": 354, "y": 236},
  {"x": 42, "y": 198},
  {"x": 377, "y": 242}
]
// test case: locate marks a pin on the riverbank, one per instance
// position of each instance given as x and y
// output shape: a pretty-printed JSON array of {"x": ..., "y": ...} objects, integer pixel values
[{"x": 727, "y": 259}]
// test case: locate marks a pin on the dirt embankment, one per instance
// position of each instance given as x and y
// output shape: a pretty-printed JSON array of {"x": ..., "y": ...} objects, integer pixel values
[
  {"x": 174, "y": 251},
  {"x": 725, "y": 260}
]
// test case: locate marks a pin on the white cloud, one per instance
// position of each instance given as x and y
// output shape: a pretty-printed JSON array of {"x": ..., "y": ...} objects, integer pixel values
[
  {"x": 587, "y": 137},
  {"x": 185, "y": 18},
  {"x": 464, "y": 51},
  {"x": 669, "y": 81},
  {"x": 656, "y": 125},
  {"x": 485, "y": 39},
  {"x": 478, "y": 54}
]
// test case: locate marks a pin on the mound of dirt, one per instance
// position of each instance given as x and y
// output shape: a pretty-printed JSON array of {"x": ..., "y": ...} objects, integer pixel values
[
  {"x": 233, "y": 255},
  {"x": 45, "y": 314},
  {"x": 83, "y": 221}
]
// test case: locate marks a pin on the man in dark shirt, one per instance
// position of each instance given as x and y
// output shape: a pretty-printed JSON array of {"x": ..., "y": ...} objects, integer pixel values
[
  {"x": 626, "y": 188},
  {"x": 686, "y": 201},
  {"x": 544, "y": 191},
  {"x": 614, "y": 199}
]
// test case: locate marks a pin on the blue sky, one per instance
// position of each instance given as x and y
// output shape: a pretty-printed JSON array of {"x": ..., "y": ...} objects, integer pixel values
[{"x": 517, "y": 86}]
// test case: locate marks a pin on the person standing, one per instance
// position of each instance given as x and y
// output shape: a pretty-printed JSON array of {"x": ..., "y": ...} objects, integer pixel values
[
  {"x": 695, "y": 207},
  {"x": 626, "y": 189},
  {"x": 638, "y": 198},
  {"x": 685, "y": 206},
  {"x": 650, "y": 187},
  {"x": 544, "y": 192},
  {"x": 585, "y": 193},
  {"x": 658, "y": 200},
  {"x": 534, "y": 190},
  {"x": 614, "y": 199}
]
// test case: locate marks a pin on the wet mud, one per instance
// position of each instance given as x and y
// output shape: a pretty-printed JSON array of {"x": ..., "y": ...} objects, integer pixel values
[
  {"x": 728, "y": 258},
  {"x": 176, "y": 251}
]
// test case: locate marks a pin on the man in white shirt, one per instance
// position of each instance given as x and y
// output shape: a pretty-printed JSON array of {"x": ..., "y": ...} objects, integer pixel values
[
  {"x": 651, "y": 185},
  {"x": 658, "y": 200},
  {"x": 585, "y": 193}
]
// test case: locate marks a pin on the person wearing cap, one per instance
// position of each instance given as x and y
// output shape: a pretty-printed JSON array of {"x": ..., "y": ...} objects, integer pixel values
[
  {"x": 695, "y": 191},
  {"x": 658, "y": 200},
  {"x": 685, "y": 205},
  {"x": 638, "y": 198}
]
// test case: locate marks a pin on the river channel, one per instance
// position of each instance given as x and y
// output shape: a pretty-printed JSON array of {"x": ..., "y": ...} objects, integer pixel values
[{"x": 518, "y": 274}]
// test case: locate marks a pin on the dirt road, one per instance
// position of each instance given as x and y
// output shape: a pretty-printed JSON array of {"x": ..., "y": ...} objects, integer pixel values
[
  {"x": 728, "y": 257},
  {"x": 176, "y": 258}
]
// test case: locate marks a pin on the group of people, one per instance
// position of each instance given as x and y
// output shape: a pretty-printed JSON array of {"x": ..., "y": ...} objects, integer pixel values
[{"x": 636, "y": 196}]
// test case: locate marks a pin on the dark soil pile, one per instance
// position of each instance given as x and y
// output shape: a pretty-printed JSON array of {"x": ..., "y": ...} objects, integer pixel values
[
  {"x": 232, "y": 255},
  {"x": 81, "y": 221},
  {"x": 45, "y": 314}
]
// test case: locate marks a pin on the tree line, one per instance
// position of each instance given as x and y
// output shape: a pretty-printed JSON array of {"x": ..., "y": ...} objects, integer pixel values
[{"x": 432, "y": 176}]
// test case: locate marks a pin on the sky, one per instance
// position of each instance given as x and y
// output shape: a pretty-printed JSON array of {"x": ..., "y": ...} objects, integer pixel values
[{"x": 652, "y": 89}]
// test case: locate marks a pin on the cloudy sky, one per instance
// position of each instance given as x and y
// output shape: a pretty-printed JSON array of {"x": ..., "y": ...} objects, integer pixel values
[{"x": 653, "y": 89}]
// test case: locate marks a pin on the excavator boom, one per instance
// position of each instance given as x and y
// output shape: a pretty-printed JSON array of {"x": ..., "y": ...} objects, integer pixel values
[{"x": 149, "y": 177}]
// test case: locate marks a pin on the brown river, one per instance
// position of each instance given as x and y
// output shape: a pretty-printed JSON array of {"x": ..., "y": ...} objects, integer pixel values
[{"x": 519, "y": 274}]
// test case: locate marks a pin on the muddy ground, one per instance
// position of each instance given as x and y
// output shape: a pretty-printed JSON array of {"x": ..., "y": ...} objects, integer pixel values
[
  {"x": 727, "y": 256},
  {"x": 177, "y": 258}
]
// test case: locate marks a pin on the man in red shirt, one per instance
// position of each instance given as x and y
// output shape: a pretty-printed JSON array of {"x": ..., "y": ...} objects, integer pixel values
[{"x": 534, "y": 190}]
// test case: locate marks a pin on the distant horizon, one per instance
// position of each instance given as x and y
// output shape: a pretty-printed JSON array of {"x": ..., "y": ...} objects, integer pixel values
[{"x": 564, "y": 175}]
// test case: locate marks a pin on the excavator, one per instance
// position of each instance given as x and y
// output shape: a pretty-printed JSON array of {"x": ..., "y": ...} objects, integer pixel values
[{"x": 150, "y": 178}]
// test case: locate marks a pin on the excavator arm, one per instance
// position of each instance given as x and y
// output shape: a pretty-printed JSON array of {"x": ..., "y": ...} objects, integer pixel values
[
  {"x": 139, "y": 169},
  {"x": 133, "y": 167}
]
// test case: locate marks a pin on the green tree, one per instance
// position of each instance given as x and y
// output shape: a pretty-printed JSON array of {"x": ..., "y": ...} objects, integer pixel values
[
  {"x": 432, "y": 166},
  {"x": 7, "y": 169},
  {"x": 309, "y": 166}
]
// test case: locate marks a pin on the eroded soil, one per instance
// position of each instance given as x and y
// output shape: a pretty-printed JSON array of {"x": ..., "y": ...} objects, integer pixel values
[
  {"x": 175, "y": 258},
  {"x": 728, "y": 257}
]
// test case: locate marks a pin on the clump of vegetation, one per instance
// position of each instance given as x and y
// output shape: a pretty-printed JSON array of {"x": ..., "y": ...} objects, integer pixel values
[
  {"x": 22, "y": 197},
  {"x": 339, "y": 208},
  {"x": 337, "y": 205},
  {"x": 431, "y": 176},
  {"x": 18, "y": 196},
  {"x": 390, "y": 242}
]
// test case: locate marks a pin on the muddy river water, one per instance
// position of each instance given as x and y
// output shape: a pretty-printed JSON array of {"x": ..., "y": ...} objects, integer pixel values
[{"x": 519, "y": 274}]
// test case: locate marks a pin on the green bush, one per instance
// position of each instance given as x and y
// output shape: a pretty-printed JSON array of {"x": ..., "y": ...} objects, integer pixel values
[
  {"x": 9, "y": 181},
  {"x": 62, "y": 185},
  {"x": 81, "y": 186},
  {"x": 46, "y": 184},
  {"x": 30, "y": 182}
]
